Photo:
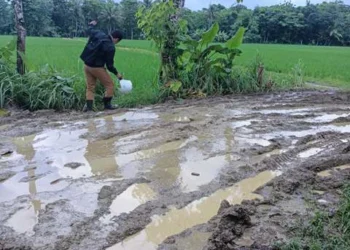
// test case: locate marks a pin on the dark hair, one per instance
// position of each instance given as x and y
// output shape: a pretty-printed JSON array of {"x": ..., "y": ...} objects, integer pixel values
[{"x": 117, "y": 34}]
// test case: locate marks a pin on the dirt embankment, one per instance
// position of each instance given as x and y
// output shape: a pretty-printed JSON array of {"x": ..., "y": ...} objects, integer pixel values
[{"x": 173, "y": 176}]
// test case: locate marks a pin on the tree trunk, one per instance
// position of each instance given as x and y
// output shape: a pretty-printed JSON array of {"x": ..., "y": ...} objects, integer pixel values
[
  {"x": 21, "y": 35},
  {"x": 76, "y": 28}
]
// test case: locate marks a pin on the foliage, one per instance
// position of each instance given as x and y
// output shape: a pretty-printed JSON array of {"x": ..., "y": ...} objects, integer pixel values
[
  {"x": 6, "y": 17},
  {"x": 191, "y": 67},
  {"x": 139, "y": 66},
  {"x": 40, "y": 90},
  {"x": 155, "y": 22},
  {"x": 160, "y": 24},
  {"x": 197, "y": 34},
  {"x": 258, "y": 76},
  {"x": 128, "y": 11},
  {"x": 326, "y": 23},
  {"x": 139, "y": 62},
  {"x": 7, "y": 74},
  {"x": 221, "y": 37},
  {"x": 298, "y": 73},
  {"x": 324, "y": 232},
  {"x": 207, "y": 67},
  {"x": 45, "y": 89},
  {"x": 7, "y": 52}
]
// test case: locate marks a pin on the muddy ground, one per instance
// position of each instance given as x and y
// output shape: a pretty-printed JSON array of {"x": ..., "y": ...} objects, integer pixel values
[{"x": 167, "y": 176}]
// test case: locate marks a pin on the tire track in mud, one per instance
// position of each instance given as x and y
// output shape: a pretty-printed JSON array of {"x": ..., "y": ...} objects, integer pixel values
[
  {"x": 235, "y": 138},
  {"x": 284, "y": 197}
]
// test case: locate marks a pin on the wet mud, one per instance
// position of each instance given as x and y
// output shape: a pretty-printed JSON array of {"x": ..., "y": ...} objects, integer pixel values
[{"x": 233, "y": 172}]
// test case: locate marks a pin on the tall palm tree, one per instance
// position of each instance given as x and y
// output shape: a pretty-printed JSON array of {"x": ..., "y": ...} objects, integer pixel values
[{"x": 109, "y": 15}]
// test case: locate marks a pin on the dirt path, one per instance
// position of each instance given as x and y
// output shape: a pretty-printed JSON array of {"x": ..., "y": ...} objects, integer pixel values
[{"x": 155, "y": 178}]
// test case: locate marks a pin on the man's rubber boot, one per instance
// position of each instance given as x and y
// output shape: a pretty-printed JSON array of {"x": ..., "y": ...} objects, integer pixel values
[
  {"x": 88, "y": 106},
  {"x": 107, "y": 101}
]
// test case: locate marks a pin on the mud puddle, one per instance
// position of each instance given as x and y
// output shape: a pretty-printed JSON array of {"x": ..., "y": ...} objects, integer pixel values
[
  {"x": 310, "y": 152},
  {"x": 25, "y": 219},
  {"x": 134, "y": 178},
  {"x": 197, "y": 212},
  {"x": 327, "y": 117},
  {"x": 328, "y": 173},
  {"x": 129, "y": 200}
]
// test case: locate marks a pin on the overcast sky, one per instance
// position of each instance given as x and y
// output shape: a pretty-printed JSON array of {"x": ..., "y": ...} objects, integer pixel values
[{"x": 199, "y": 4}]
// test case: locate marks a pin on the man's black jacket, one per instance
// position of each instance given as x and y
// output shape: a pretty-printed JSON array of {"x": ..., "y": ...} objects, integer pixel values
[{"x": 105, "y": 54}]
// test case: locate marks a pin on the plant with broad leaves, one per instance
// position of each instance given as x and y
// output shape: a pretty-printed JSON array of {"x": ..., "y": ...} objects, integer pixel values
[
  {"x": 203, "y": 62},
  {"x": 187, "y": 65}
]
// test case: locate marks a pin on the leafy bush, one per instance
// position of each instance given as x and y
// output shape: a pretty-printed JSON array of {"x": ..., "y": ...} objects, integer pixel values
[
  {"x": 206, "y": 67},
  {"x": 196, "y": 67},
  {"x": 161, "y": 24},
  {"x": 197, "y": 34},
  {"x": 7, "y": 79},
  {"x": 47, "y": 89}
]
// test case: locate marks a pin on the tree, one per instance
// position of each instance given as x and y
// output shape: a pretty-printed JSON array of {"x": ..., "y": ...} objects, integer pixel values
[
  {"x": 128, "y": 11},
  {"x": 60, "y": 17},
  {"x": 6, "y": 17},
  {"x": 21, "y": 35},
  {"x": 76, "y": 19},
  {"x": 327, "y": 23},
  {"x": 110, "y": 16},
  {"x": 92, "y": 9},
  {"x": 38, "y": 16}
]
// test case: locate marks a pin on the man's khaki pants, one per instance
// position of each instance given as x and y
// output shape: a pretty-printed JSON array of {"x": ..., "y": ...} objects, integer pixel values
[{"x": 94, "y": 74}]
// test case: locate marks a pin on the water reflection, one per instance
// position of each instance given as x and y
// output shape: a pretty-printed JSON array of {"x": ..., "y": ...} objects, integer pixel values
[
  {"x": 24, "y": 220},
  {"x": 129, "y": 200},
  {"x": 197, "y": 212},
  {"x": 100, "y": 154}
]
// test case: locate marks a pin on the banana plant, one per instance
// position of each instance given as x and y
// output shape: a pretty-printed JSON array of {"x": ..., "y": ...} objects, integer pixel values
[{"x": 202, "y": 58}]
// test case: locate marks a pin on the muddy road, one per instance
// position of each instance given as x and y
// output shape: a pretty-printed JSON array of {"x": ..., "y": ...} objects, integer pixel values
[{"x": 166, "y": 177}]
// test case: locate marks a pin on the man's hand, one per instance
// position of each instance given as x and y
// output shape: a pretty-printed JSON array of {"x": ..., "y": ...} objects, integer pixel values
[
  {"x": 93, "y": 23},
  {"x": 120, "y": 77}
]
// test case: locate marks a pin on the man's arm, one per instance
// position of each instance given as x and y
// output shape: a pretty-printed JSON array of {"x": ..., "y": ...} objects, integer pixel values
[
  {"x": 91, "y": 31},
  {"x": 110, "y": 63}
]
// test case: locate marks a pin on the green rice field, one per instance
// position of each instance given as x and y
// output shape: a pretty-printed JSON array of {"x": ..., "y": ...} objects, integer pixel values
[{"x": 138, "y": 60}]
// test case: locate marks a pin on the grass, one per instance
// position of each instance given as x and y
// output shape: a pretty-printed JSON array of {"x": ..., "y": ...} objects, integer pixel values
[
  {"x": 140, "y": 67},
  {"x": 328, "y": 65},
  {"x": 323, "y": 232},
  {"x": 324, "y": 65},
  {"x": 139, "y": 62}
]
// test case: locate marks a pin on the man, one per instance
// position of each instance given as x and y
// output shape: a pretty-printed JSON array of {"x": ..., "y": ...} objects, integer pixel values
[{"x": 98, "y": 53}]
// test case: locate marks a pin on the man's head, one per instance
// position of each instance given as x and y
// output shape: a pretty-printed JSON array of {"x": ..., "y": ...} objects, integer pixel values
[{"x": 117, "y": 36}]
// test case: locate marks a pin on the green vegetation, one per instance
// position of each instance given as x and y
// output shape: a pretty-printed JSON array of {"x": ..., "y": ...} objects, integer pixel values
[
  {"x": 328, "y": 65},
  {"x": 324, "y": 232},
  {"x": 322, "y": 64},
  {"x": 183, "y": 60},
  {"x": 325, "y": 23},
  {"x": 49, "y": 58},
  {"x": 139, "y": 62}
]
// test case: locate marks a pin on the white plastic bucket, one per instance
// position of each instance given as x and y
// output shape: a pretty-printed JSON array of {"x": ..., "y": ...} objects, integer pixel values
[{"x": 125, "y": 86}]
